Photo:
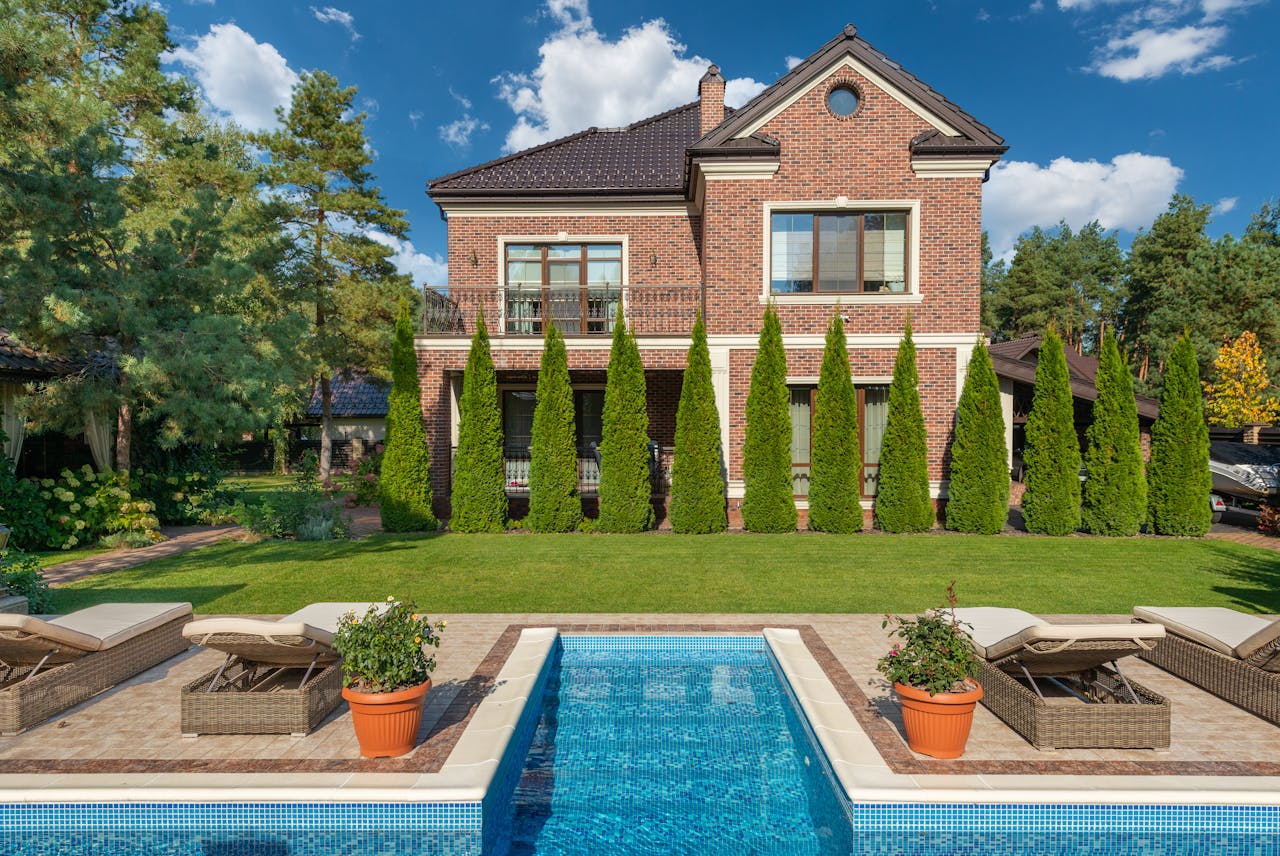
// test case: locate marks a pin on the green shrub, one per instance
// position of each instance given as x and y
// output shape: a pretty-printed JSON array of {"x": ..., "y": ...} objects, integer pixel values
[
  {"x": 902, "y": 497},
  {"x": 835, "y": 481},
  {"x": 406, "y": 462},
  {"x": 479, "y": 498},
  {"x": 554, "y": 505},
  {"x": 302, "y": 510},
  {"x": 22, "y": 509},
  {"x": 1051, "y": 504},
  {"x": 1179, "y": 470},
  {"x": 626, "y": 490},
  {"x": 768, "y": 503},
  {"x": 1115, "y": 491},
  {"x": 20, "y": 574},
  {"x": 697, "y": 502},
  {"x": 979, "y": 491},
  {"x": 385, "y": 649}
]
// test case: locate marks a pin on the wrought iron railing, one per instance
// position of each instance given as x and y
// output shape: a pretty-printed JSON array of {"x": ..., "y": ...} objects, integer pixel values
[
  {"x": 516, "y": 461},
  {"x": 575, "y": 311}
]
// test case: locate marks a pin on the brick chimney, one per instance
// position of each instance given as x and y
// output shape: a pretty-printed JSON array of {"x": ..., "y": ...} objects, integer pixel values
[{"x": 711, "y": 99}]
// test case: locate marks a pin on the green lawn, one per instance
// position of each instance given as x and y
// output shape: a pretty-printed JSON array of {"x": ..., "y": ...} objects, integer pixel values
[
  {"x": 718, "y": 573},
  {"x": 255, "y": 488},
  {"x": 57, "y": 557}
]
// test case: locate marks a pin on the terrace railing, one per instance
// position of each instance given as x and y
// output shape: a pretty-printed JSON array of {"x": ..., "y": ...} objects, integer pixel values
[{"x": 590, "y": 311}]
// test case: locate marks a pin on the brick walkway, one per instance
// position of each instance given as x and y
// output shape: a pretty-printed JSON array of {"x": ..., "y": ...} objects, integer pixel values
[
  {"x": 1244, "y": 536},
  {"x": 181, "y": 540}
]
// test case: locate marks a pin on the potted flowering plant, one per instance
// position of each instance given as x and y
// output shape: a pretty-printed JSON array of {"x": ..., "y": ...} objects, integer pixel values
[
  {"x": 931, "y": 671},
  {"x": 386, "y": 673}
]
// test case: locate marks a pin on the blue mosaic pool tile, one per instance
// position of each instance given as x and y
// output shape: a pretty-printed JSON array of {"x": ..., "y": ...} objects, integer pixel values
[
  {"x": 1079, "y": 818},
  {"x": 35, "y": 817}
]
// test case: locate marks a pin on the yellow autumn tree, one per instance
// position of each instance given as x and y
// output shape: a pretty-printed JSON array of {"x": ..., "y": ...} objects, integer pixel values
[{"x": 1241, "y": 392}]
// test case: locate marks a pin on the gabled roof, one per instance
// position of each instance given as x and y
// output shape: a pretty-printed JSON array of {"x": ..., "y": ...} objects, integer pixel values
[
  {"x": 1017, "y": 358},
  {"x": 354, "y": 395},
  {"x": 644, "y": 158},
  {"x": 974, "y": 136},
  {"x": 21, "y": 363}
]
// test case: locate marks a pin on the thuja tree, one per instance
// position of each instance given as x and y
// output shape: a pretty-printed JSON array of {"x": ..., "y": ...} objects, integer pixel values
[
  {"x": 697, "y": 474},
  {"x": 768, "y": 503},
  {"x": 625, "y": 489},
  {"x": 1051, "y": 504},
  {"x": 1115, "y": 493},
  {"x": 1179, "y": 468},
  {"x": 902, "y": 498},
  {"x": 979, "y": 492},
  {"x": 406, "y": 463},
  {"x": 479, "y": 497},
  {"x": 554, "y": 505},
  {"x": 836, "y": 469}
]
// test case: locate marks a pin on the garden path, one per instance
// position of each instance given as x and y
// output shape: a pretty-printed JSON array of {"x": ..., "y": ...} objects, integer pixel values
[{"x": 180, "y": 539}]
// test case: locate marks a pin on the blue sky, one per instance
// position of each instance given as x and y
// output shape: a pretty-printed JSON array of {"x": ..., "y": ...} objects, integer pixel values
[{"x": 1108, "y": 106}]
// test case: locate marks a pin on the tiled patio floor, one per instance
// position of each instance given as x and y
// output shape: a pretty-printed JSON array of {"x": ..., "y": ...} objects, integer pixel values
[{"x": 134, "y": 728}]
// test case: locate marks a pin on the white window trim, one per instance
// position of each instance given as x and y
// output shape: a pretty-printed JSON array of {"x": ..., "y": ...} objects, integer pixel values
[
  {"x": 837, "y": 205},
  {"x": 560, "y": 238}
]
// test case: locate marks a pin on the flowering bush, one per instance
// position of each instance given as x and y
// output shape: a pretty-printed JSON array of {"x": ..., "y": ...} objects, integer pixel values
[
  {"x": 385, "y": 649},
  {"x": 180, "y": 497},
  {"x": 361, "y": 485},
  {"x": 82, "y": 505},
  {"x": 304, "y": 510},
  {"x": 935, "y": 655},
  {"x": 1269, "y": 520},
  {"x": 20, "y": 574}
]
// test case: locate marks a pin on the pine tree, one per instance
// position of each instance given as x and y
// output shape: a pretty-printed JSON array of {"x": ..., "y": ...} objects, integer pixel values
[
  {"x": 1115, "y": 492},
  {"x": 768, "y": 503},
  {"x": 1179, "y": 469},
  {"x": 1051, "y": 504},
  {"x": 406, "y": 462},
  {"x": 836, "y": 471},
  {"x": 697, "y": 472},
  {"x": 479, "y": 497},
  {"x": 626, "y": 491},
  {"x": 979, "y": 490},
  {"x": 554, "y": 504},
  {"x": 902, "y": 498}
]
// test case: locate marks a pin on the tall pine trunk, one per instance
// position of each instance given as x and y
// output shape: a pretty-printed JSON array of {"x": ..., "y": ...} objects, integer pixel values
[
  {"x": 124, "y": 437},
  {"x": 326, "y": 426}
]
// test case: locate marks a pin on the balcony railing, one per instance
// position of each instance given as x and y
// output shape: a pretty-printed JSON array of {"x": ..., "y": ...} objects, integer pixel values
[
  {"x": 575, "y": 311},
  {"x": 516, "y": 460}
]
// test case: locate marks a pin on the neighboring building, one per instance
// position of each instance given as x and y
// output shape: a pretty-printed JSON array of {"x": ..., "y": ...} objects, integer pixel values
[
  {"x": 1015, "y": 365},
  {"x": 40, "y": 454},
  {"x": 849, "y": 185},
  {"x": 359, "y": 410}
]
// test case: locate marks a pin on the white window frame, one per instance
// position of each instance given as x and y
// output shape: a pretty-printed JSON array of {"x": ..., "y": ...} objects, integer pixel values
[{"x": 841, "y": 204}]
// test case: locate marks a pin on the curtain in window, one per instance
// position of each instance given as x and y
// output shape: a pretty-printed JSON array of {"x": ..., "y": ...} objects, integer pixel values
[
  {"x": 792, "y": 253},
  {"x": 838, "y": 252},
  {"x": 875, "y": 415},
  {"x": 14, "y": 425},
  {"x": 801, "y": 432},
  {"x": 884, "y": 263},
  {"x": 97, "y": 432}
]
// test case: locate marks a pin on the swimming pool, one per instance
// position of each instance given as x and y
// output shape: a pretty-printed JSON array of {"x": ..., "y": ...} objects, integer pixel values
[{"x": 585, "y": 782}]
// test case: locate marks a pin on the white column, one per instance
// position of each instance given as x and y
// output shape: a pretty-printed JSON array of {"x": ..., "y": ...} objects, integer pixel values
[
  {"x": 1006, "y": 410},
  {"x": 720, "y": 383}
]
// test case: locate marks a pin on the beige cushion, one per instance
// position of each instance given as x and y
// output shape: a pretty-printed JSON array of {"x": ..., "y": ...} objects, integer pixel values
[
  {"x": 113, "y": 623},
  {"x": 997, "y": 631},
  {"x": 317, "y": 622},
  {"x": 15, "y": 627},
  {"x": 1235, "y": 634}
]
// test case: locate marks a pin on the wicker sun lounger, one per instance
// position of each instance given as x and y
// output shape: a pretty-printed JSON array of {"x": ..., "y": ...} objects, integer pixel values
[
  {"x": 50, "y": 664},
  {"x": 279, "y": 677},
  {"x": 1231, "y": 654},
  {"x": 1060, "y": 685}
]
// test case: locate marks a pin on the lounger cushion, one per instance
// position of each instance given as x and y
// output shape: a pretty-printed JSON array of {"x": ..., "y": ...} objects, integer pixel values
[
  {"x": 1235, "y": 634},
  {"x": 113, "y": 623},
  {"x": 48, "y": 635},
  {"x": 998, "y": 632},
  {"x": 317, "y": 622}
]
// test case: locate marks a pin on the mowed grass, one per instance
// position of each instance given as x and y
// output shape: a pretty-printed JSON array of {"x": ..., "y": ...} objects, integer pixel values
[
  {"x": 57, "y": 557},
  {"x": 700, "y": 574}
]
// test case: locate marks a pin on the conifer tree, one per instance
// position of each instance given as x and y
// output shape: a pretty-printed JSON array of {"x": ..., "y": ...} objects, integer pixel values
[
  {"x": 554, "y": 503},
  {"x": 479, "y": 497},
  {"x": 697, "y": 472},
  {"x": 836, "y": 471},
  {"x": 1115, "y": 492},
  {"x": 1051, "y": 504},
  {"x": 1179, "y": 469},
  {"x": 1241, "y": 389},
  {"x": 768, "y": 503},
  {"x": 626, "y": 491},
  {"x": 978, "y": 498},
  {"x": 406, "y": 463},
  {"x": 902, "y": 498}
]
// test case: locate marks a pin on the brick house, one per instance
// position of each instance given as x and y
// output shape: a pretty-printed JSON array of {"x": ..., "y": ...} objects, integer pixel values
[{"x": 849, "y": 185}]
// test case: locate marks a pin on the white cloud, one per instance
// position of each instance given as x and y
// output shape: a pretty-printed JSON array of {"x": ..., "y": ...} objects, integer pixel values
[
  {"x": 1226, "y": 204},
  {"x": 1149, "y": 53},
  {"x": 415, "y": 117},
  {"x": 1126, "y": 193},
  {"x": 241, "y": 78},
  {"x": 1215, "y": 9},
  {"x": 583, "y": 79},
  {"x": 793, "y": 61},
  {"x": 461, "y": 99},
  {"x": 458, "y": 133},
  {"x": 332, "y": 15},
  {"x": 422, "y": 268},
  {"x": 984, "y": 15}
]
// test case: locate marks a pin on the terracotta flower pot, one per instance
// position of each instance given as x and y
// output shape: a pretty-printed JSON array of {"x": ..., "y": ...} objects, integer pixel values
[
  {"x": 387, "y": 723},
  {"x": 937, "y": 725}
]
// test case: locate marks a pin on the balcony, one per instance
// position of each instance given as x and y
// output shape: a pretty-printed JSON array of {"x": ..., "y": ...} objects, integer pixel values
[{"x": 650, "y": 310}]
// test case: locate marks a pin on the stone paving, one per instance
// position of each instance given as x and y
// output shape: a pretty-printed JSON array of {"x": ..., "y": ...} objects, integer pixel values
[{"x": 134, "y": 728}]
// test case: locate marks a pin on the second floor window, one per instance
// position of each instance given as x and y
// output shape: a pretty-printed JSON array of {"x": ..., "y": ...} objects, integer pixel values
[
  {"x": 564, "y": 265},
  {"x": 838, "y": 253}
]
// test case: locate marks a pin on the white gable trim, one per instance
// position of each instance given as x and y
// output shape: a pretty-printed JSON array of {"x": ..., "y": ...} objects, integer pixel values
[{"x": 848, "y": 61}]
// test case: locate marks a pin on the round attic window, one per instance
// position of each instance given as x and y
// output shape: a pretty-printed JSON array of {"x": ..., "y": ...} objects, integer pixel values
[{"x": 842, "y": 101}]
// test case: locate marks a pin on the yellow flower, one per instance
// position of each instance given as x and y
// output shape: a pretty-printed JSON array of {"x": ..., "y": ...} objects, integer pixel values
[
  {"x": 390, "y": 598},
  {"x": 417, "y": 639}
]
